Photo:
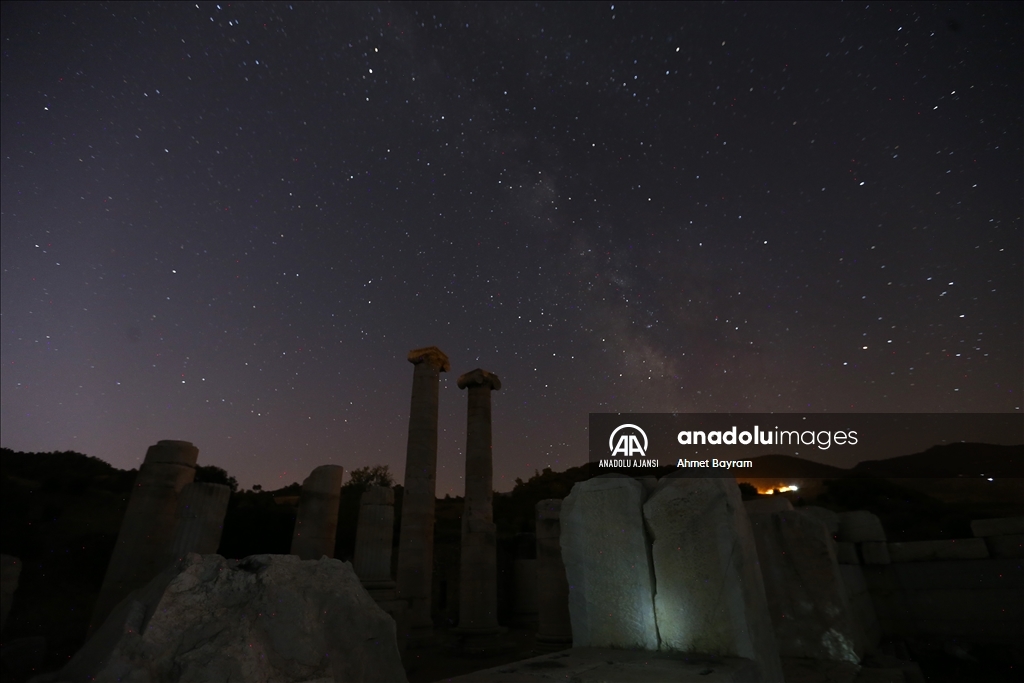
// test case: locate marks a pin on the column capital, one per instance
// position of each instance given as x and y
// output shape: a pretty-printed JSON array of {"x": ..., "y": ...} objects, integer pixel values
[
  {"x": 478, "y": 377},
  {"x": 432, "y": 355}
]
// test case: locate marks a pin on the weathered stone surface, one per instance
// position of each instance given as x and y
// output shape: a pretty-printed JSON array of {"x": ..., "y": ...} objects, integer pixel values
[
  {"x": 1010, "y": 545},
  {"x": 201, "y": 510},
  {"x": 921, "y": 551},
  {"x": 10, "y": 571},
  {"x": 526, "y": 591},
  {"x": 608, "y": 564},
  {"x": 268, "y": 618},
  {"x": 416, "y": 537},
  {"x": 859, "y": 526},
  {"x": 807, "y": 598},
  {"x": 861, "y": 603},
  {"x": 374, "y": 535},
  {"x": 824, "y": 515},
  {"x": 766, "y": 505},
  {"x": 710, "y": 594},
  {"x": 147, "y": 529},
  {"x": 598, "y": 665},
  {"x": 875, "y": 552},
  {"x": 846, "y": 553},
  {"x": 1001, "y": 526},
  {"x": 316, "y": 523},
  {"x": 553, "y": 622}
]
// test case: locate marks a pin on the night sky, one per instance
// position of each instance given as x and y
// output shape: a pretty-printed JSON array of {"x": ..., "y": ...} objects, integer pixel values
[{"x": 229, "y": 223}]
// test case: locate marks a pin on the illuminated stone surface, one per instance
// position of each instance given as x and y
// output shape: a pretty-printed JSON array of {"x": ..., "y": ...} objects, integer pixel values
[
  {"x": 608, "y": 564},
  {"x": 316, "y": 524},
  {"x": 710, "y": 595},
  {"x": 807, "y": 597}
]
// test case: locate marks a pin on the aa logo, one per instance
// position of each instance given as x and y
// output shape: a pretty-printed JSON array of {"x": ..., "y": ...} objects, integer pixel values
[{"x": 628, "y": 444}]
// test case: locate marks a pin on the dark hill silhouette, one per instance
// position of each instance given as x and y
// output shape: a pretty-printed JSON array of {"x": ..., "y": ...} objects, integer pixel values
[
  {"x": 774, "y": 466},
  {"x": 950, "y": 460}
]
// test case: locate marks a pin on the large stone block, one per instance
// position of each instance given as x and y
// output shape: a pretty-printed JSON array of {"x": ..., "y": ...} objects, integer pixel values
[
  {"x": 861, "y": 603},
  {"x": 765, "y": 505},
  {"x": 1001, "y": 526},
  {"x": 266, "y": 619},
  {"x": 710, "y": 594},
  {"x": 1010, "y": 545},
  {"x": 846, "y": 553},
  {"x": 553, "y": 621},
  {"x": 859, "y": 526},
  {"x": 807, "y": 598},
  {"x": 608, "y": 564},
  {"x": 827, "y": 517},
  {"x": 922, "y": 551}
]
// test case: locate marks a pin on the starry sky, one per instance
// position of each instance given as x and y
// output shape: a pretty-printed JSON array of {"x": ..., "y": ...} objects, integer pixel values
[{"x": 229, "y": 223}]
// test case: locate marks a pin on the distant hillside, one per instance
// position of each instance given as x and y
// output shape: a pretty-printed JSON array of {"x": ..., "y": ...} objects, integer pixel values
[{"x": 950, "y": 460}]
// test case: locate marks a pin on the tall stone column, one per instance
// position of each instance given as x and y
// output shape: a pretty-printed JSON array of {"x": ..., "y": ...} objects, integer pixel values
[
  {"x": 553, "y": 622},
  {"x": 372, "y": 562},
  {"x": 147, "y": 530},
  {"x": 316, "y": 524},
  {"x": 201, "y": 510},
  {"x": 416, "y": 534},
  {"x": 478, "y": 575}
]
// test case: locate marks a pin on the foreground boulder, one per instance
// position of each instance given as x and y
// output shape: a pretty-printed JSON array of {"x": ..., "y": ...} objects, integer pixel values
[{"x": 267, "y": 618}]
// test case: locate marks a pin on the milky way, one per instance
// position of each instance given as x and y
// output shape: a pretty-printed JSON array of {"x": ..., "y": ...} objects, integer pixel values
[{"x": 229, "y": 223}]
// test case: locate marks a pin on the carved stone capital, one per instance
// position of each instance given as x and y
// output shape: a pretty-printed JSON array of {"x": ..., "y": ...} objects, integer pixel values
[
  {"x": 478, "y": 377},
  {"x": 432, "y": 355}
]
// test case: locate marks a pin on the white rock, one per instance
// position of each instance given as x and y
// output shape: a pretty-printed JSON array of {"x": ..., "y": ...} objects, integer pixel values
[
  {"x": 710, "y": 594},
  {"x": 875, "y": 552},
  {"x": 266, "y": 619},
  {"x": 826, "y": 516},
  {"x": 608, "y": 565},
  {"x": 846, "y": 553},
  {"x": 767, "y": 504}
]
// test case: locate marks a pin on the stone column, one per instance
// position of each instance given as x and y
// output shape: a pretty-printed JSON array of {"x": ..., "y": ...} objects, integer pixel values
[
  {"x": 478, "y": 575},
  {"x": 416, "y": 535},
  {"x": 147, "y": 529},
  {"x": 201, "y": 510},
  {"x": 553, "y": 623},
  {"x": 526, "y": 580},
  {"x": 372, "y": 562},
  {"x": 316, "y": 524}
]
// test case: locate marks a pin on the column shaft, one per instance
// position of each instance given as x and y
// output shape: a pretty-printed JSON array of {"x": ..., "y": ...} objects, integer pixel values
[{"x": 316, "y": 524}]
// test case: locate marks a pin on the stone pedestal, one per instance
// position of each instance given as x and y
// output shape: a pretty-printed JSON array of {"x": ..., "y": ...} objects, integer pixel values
[
  {"x": 147, "y": 530},
  {"x": 608, "y": 564},
  {"x": 372, "y": 561},
  {"x": 316, "y": 524},
  {"x": 553, "y": 624},
  {"x": 201, "y": 510},
  {"x": 416, "y": 535},
  {"x": 710, "y": 594},
  {"x": 478, "y": 571},
  {"x": 807, "y": 597}
]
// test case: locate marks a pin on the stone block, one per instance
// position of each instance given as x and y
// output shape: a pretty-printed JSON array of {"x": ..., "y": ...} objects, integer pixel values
[
  {"x": 266, "y": 619},
  {"x": 608, "y": 564},
  {"x": 1010, "y": 545},
  {"x": 922, "y": 551},
  {"x": 710, "y": 594},
  {"x": 827, "y": 517},
  {"x": 875, "y": 552},
  {"x": 201, "y": 511},
  {"x": 553, "y": 622},
  {"x": 765, "y": 505},
  {"x": 861, "y": 604},
  {"x": 316, "y": 522},
  {"x": 846, "y": 553},
  {"x": 807, "y": 597},
  {"x": 1002, "y": 526},
  {"x": 859, "y": 526}
]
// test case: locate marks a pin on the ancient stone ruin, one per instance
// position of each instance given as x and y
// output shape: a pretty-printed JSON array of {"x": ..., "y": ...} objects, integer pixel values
[
  {"x": 316, "y": 523},
  {"x": 416, "y": 535}
]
